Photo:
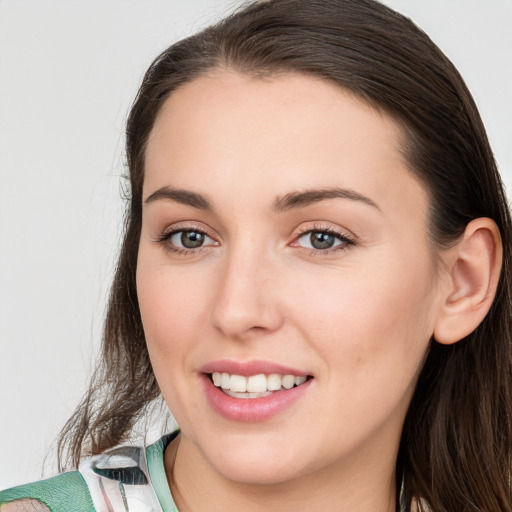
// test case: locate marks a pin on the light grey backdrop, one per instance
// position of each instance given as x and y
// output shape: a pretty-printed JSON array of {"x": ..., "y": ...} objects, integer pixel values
[{"x": 68, "y": 73}]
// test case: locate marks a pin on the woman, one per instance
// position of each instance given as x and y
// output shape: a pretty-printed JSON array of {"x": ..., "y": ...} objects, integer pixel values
[{"x": 315, "y": 277}]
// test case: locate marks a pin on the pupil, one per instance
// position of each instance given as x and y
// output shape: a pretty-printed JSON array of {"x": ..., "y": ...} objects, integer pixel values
[
  {"x": 321, "y": 240},
  {"x": 192, "y": 239}
]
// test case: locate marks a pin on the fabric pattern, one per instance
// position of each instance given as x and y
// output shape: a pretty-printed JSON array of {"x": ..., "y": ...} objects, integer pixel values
[{"x": 124, "y": 479}]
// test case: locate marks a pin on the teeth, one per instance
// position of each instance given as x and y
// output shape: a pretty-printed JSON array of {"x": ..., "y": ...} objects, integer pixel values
[
  {"x": 257, "y": 383},
  {"x": 300, "y": 380},
  {"x": 247, "y": 395},
  {"x": 238, "y": 383},
  {"x": 217, "y": 379},
  {"x": 224, "y": 381},
  {"x": 288, "y": 381},
  {"x": 255, "y": 386},
  {"x": 274, "y": 382}
]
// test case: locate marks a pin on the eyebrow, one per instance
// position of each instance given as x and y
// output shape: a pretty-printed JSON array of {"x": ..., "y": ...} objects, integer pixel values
[
  {"x": 281, "y": 204},
  {"x": 180, "y": 196},
  {"x": 308, "y": 197}
]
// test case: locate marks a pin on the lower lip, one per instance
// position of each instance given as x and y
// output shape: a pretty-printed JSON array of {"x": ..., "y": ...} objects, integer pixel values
[{"x": 250, "y": 410}]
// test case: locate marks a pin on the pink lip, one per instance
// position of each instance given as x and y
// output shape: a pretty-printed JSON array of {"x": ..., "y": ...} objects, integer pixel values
[
  {"x": 250, "y": 410},
  {"x": 250, "y": 368}
]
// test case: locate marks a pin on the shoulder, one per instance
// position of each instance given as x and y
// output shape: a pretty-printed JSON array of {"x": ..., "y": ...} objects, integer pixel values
[
  {"x": 61, "y": 493},
  {"x": 117, "y": 480}
]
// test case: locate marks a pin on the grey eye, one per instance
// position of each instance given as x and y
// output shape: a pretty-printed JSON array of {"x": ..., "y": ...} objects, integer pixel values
[
  {"x": 321, "y": 240},
  {"x": 190, "y": 239}
]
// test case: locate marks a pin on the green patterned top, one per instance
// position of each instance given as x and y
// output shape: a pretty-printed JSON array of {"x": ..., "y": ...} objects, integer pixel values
[{"x": 124, "y": 479}]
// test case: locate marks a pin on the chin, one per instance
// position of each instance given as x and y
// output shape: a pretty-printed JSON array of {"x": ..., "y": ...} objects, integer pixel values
[
  {"x": 258, "y": 461},
  {"x": 266, "y": 472}
]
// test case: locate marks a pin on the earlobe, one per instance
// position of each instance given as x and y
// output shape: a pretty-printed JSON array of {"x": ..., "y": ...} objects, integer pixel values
[{"x": 474, "y": 266}]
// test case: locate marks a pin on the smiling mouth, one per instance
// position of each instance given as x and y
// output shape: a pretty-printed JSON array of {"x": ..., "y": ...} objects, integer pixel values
[{"x": 255, "y": 386}]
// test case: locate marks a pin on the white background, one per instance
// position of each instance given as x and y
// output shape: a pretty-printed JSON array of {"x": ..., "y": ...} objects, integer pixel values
[{"x": 68, "y": 73}]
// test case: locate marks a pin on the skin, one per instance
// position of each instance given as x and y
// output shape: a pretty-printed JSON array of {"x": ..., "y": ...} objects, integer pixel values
[
  {"x": 358, "y": 319},
  {"x": 25, "y": 505}
]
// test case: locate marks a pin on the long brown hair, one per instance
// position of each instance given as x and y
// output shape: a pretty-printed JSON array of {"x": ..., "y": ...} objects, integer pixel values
[{"x": 455, "y": 453}]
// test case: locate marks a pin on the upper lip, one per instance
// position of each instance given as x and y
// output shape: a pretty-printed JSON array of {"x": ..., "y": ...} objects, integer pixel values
[{"x": 247, "y": 368}]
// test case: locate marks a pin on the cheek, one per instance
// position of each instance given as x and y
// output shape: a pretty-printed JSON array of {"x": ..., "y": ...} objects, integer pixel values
[
  {"x": 370, "y": 323},
  {"x": 173, "y": 304},
  {"x": 170, "y": 315}
]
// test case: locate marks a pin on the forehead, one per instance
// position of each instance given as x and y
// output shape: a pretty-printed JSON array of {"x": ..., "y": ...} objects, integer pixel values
[{"x": 250, "y": 135}]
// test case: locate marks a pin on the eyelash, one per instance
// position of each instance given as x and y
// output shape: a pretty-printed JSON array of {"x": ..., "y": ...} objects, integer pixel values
[
  {"x": 346, "y": 241},
  {"x": 166, "y": 236}
]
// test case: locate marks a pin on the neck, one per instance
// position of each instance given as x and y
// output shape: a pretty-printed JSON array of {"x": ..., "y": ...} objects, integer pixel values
[{"x": 344, "y": 486}]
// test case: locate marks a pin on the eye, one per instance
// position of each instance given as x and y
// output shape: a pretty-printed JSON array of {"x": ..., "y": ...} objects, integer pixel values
[
  {"x": 184, "y": 240},
  {"x": 323, "y": 240},
  {"x": 189, "y": 239}
]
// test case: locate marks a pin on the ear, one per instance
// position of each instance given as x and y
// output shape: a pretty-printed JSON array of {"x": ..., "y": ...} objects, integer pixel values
[{"x": 473, "y": 271}]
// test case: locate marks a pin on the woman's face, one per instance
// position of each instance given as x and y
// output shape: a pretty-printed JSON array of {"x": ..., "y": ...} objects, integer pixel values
[{"x": 283, "y": 234}]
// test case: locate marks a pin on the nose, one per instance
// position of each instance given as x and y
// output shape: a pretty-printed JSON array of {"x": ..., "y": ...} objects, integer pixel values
[{"x": 246, "y": 301}]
